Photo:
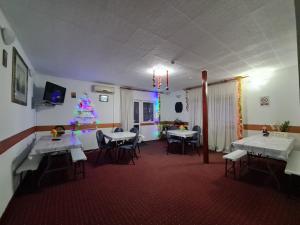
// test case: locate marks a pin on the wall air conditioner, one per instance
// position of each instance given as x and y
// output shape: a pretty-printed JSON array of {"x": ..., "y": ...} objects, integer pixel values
[{"x": 103, "y": 89}]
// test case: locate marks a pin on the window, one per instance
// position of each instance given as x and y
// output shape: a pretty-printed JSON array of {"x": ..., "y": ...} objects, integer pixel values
[
  {"x": 136, "y": 111},
  {"x": 148, "y": 111}
]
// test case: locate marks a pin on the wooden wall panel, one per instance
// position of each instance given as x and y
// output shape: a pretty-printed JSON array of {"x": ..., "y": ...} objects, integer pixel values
[
  {"x": 292, "y": 129},
  {"x": 14, "y": 139}
]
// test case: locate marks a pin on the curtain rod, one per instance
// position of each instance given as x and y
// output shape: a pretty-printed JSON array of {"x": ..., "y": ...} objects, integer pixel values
[{"x": 218, "y": 82}]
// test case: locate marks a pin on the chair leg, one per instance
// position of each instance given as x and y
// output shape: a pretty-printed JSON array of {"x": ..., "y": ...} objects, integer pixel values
[
  {"x": 198, "y": 150},
  {"x": 75, "y": 170},
  {"x": 135, "y": 155},
  {"x": 168, "y": 146},
  {"x": 138, "y": 146},
  {"x": 234, "y": 172},
  {"x": 226, "y": 162},
  {"x": 98, "y": 156},
  {"x": 83, "y": 169},
  {"x": 132, "y": 156}
]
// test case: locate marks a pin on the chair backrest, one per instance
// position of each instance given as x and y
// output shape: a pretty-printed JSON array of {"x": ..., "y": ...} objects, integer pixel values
[
  {"x": 134, "y": 130},
  {"x": 197, "y": 135},
  {"x": 172, "y": 128},
  {"x": 100, "y": 138},
  {"x": 118, "y": 129},
  {"x": 135, "y": 140}
]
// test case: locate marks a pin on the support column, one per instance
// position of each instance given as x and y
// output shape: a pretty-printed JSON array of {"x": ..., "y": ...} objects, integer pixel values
[{"x": 205, "y": 117}]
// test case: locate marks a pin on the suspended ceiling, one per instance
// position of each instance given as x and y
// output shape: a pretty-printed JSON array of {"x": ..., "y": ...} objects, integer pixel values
[{"x": 117, "y": 41}]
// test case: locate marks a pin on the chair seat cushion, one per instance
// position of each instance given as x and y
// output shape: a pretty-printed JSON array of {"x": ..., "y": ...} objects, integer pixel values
[
  {"x": 126, "y": 146},
  {"x": 174, "y": 141}
]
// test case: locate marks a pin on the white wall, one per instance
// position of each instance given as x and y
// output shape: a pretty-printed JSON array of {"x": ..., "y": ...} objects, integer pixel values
[
  {"x": 167, "y": 108},
  {"x": 108, "y": 112},
  {"x": 14, "y": 118},
  {"x": 282, "y": 86},
  {"x": 283, "y": 89}
]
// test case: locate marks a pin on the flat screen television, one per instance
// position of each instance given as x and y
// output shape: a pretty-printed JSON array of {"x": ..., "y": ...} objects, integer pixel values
[{"x": 54, "y": 93}]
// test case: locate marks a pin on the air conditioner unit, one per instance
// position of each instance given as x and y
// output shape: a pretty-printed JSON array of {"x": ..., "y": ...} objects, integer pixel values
[{"x": 103, "y": 89}]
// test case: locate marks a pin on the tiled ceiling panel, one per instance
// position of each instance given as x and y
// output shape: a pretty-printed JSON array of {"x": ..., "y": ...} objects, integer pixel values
[{"x": 118, "y": 41}]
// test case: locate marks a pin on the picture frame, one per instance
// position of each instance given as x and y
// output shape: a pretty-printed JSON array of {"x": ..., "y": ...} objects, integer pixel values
[
  {"x": 265, "y": 101},
  {"x": 103, "y": 98},
  {"x": 73, "y": 94},
  {"x": 19, "y": 88},
  {"x": 4, "y": 58}
]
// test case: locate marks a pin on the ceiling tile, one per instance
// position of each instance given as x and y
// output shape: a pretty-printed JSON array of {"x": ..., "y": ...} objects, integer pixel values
[
  {"x": 240, "y": 34},
  {"x": 255, "y": 60},
  {"x": 191, "y": 59},
  {"x": 253, "y": 5},
  {"x": 188, "y": 36},
  {"x": 168, "y": 22},
  {"x": 192, "y": 8},
  {"x": 219, "y": 13},
  {"x": 139, "y": 13},
  {"x": 210, "y": 49},
  {"x": 116, "y": 41},
  {"x": 227, "y": 59},
  {"x": 144, "y": 40},
  {"x": 111, "y": 26},
  {"x": 276, "y": 19},
  {"x": 168, "y": 51},
  {"x": 254, "y": 49}
]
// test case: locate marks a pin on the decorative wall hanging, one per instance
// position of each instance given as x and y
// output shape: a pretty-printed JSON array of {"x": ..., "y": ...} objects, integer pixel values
[
  {"x": 178, "y": 107},
  {"x": 157, "y": 80},
  {"x": 84, "y": 114},
  {"x": 19, "y": 79},
  {"x": 4, "y": 58},
  {"x": 186, "y": 101},
  {"x": 264, "y": 101}
]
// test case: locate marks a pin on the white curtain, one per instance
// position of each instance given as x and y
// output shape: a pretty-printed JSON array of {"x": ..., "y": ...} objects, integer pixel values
[
  {"x": 222, "y": 112},
  {"x": 126, "y": 109},
  {"x": 195, "y": 107}
]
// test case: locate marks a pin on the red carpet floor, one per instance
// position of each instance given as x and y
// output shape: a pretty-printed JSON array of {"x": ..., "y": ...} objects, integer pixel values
[{"x": 159, "y": 189}]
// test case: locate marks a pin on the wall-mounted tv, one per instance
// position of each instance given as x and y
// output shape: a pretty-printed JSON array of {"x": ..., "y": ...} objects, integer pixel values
[{"x": 54, "y": 93}]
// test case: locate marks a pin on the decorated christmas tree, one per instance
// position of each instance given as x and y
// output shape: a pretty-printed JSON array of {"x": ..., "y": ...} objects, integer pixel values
[{"x": 84, "y": 114}]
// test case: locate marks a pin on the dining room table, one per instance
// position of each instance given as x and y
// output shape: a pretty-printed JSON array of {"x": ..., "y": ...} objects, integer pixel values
[
  {"x": 183, "y": 135},
  {"x": 49, "y": 147},
  {"x": 119, "y": 137},
  {"x": 266, "y": 148}
]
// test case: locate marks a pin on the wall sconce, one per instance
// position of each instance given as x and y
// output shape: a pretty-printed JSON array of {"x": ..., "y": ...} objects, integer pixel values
[{"x": 8, "y": 35}]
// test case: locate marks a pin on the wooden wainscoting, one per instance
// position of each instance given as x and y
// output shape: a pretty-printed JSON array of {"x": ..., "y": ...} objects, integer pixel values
[
  {"x": 292, "y": 129},
  {"x": 9, "y": 142},
  {"x": 14, "y": 139}
]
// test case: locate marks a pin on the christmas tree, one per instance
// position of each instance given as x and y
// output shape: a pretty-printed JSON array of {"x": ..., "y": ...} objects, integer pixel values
[{"x": 84, "y": 113}]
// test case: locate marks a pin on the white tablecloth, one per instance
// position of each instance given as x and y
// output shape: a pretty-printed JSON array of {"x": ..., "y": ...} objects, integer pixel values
[
  {"x": 271, "y": 146},
  {"x": 121, "y": 136},
  {"x": 45, "y": 144},
  {"x": 182, "y": 133}
]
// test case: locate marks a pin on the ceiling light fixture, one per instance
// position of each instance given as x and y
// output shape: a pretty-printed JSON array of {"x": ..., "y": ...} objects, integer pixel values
[{"x": 157, "y": 77}]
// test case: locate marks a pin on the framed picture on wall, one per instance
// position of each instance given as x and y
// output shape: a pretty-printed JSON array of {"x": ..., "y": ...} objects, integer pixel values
[{"x": 19, "y": 79}]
